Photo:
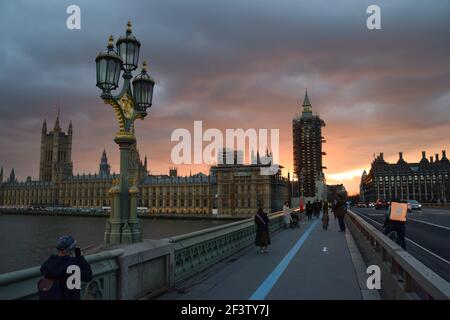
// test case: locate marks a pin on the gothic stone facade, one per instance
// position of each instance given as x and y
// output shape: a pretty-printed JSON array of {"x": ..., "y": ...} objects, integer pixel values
[
  {"x": 225, "y": 188},
  {"x": 424, "y": 181},
  {"x": 241, "y": 189}
]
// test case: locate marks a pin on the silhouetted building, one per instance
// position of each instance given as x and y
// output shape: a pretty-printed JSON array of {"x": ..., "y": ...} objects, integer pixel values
[
  {"x": 307, "y": 143},
  {"x": 239, "y": 189},
  {"x": 361, "y": 187},
  {"x": 334, "y": 190},
  {"x": 57, "y": 185},
  {"x": 173, "y": 172},
  {"x": 230, "y": 156},
  {"x": 56, "y": 158},
  {"x": 424, "y": 181},
  {"x": 235, "y": 189},
  {"x": 104, "y": 167}
]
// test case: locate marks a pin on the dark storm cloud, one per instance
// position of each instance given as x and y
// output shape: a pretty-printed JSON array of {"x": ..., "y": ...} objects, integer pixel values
[{"x": 231, "y": 64}]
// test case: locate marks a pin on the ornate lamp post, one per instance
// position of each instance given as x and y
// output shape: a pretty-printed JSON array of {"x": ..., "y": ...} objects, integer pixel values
[{"x": 130, "y": 104}]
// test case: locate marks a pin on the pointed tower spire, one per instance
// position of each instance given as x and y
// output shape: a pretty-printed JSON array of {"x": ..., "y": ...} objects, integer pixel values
[
  {"x": 44, "y": 126},
  {"x": 70, "y": 128},
  {"x": 307, "y": 107},
  {"x": 104, "y": 158},
  {"x": 364, "y": 175},
  {"x": 104, "y": 168},
  {"x": 145, "y": 162},
  {"x": 57, "y": 127},
  {"x": 12, "y": 176}
]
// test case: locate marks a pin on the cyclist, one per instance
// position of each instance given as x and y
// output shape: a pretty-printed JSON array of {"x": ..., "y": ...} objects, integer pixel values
[{"x": 395, "y": 223}]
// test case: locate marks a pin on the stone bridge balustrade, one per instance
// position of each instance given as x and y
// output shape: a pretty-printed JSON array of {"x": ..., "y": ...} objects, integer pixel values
[
  {"x": 151, "y": 267},
  {"x": 199, "y": 250},
  {"x": 22, "y": 284}
]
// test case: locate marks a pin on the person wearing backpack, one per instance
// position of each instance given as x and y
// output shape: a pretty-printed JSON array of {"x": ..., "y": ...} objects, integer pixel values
[
  {"x": 393, "y": 224},
  {"x": 262, "y": 230},
  {"x": 55, "y": 271}
]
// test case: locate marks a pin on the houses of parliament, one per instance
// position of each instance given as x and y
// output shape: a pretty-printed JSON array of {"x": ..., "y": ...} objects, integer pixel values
[{"x": 228, "y": 189}]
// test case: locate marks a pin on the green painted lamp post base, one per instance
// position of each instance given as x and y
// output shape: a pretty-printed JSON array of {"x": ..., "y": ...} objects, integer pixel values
[
  {"x": 122, "y": 233},
  {"x": 123, "y": 226}
]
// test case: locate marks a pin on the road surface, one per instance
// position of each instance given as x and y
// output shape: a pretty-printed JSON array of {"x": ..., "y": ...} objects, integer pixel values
[{"x": 427, "y": 235}]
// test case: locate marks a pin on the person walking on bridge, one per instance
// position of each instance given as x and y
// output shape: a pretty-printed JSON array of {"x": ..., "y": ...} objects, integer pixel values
[
  {"x": 262, "y": 230},
  {"x": 309, "y": 210},
  {"x": 287, "y": 219},
  {"x": 325, "y": 217},
  {"x": 317, "y": 207},
  {"x": 340, "y": 210}
]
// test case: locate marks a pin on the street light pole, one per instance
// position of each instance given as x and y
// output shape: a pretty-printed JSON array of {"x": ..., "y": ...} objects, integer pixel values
[{"x": 131, "y": 103}]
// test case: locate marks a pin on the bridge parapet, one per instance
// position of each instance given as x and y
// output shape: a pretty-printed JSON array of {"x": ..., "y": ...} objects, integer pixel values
[
  {"x": 163, "y": 261},
  {"x": 22, "y": 284},
  {"x": 402, "y": 275},
  {"x": 150, "y": 267},
  {"x": 196, "y": 251}
]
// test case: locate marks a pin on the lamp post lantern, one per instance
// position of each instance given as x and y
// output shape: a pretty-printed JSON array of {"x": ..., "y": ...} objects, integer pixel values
[{"x": 131, "y": 103}]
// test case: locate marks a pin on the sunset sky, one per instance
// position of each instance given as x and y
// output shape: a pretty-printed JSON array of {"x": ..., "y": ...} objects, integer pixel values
[{"x": 232, "y": 64}]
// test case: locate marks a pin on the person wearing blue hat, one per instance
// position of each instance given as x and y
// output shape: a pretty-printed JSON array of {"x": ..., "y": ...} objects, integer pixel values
[
  {"x": 65, "y": 245},
  {"x": 55, "y": 271}
]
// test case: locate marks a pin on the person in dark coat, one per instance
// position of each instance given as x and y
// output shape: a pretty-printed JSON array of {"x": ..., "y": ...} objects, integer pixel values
[
  {"x": 55, "y": 273},
  {"x": 262, "y": 230},
  {"x": 309, "y": 210},
  {"x": 340, "y": 210},
  {"x": 325, "y": 217},
  {"x": 316, "y": 208}
]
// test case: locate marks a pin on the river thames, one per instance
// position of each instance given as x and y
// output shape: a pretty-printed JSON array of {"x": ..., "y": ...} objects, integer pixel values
[{"x": 27, "y": 240}]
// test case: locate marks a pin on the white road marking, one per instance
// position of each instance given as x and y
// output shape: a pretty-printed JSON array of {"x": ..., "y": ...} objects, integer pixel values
[
  {"x": 362, "y": 215},
  {"x": 430, "y": 252},
  {"x": 415, "y": 220},
  {"x": 429, "y": 223},
  {"x": 413, "y": 242}
]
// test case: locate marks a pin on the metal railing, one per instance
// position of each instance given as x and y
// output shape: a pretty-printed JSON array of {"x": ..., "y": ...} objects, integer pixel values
[
  {"x": 403, "y": 276},
  {"x": 196, "y": 251},
  {"x": 193, "y": 253},
  {"x": 22, "y": 284},
  {"x": 445, "y": 205}
]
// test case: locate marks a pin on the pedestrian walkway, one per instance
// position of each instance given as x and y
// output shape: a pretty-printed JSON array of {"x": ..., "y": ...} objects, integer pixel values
[{"x": 302, "y": 263}]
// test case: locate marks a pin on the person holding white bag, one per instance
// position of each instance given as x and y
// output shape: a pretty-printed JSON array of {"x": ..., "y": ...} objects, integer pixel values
[{"x": 287, "y": 219}]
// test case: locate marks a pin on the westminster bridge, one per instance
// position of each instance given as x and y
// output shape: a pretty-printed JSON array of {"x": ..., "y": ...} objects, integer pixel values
[{"x": 222, "y": 263}]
